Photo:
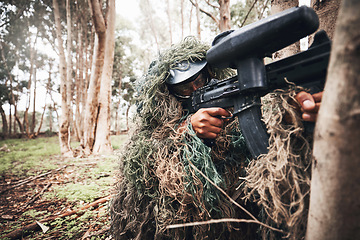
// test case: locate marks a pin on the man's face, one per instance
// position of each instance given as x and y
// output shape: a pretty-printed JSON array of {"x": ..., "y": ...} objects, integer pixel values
[{"x": 186, "y": 89}]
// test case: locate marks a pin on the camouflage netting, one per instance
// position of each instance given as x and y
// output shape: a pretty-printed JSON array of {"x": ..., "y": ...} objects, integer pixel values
[{"x": 158, "y": 185}]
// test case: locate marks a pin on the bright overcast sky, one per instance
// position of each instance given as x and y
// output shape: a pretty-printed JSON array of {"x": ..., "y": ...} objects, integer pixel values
[{"x": 128, "y": 9}]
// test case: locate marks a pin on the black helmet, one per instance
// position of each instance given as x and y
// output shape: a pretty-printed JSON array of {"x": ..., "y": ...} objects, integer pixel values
[{"x": 184, "y": 74}]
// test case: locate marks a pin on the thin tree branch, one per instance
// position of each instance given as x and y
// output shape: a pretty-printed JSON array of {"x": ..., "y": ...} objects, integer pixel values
[
  {"x": 263, "y": 10},
  {"x": 211, "y": 5},
  {"x": 32, "y": 178},
  {"x": 247, "y": 15},
  {"x": 212, "y": 221},
  {"x": 208, "y": 14},
  {"x": 36, "y": 196}
]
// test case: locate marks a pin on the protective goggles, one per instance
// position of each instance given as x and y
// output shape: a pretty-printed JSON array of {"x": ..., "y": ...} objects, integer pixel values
[{"x": 185, "y": 89}]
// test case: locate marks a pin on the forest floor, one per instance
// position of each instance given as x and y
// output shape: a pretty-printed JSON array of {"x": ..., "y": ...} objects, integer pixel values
[{"x": 46, "y": 196}]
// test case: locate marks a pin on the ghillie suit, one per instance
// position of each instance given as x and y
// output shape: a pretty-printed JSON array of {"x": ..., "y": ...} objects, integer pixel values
[
  {"x": 159, "y": 184},
  {"x": 279, "y": 182}
]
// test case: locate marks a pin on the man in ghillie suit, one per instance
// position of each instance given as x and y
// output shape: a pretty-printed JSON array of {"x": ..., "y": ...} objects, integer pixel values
[{"x": 169, "y": 175}]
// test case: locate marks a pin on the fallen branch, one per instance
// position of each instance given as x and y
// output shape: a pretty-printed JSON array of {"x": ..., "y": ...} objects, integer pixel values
[
  {"x": 19, "y": 233},
  {"x": 33, "y": 199},
  {"x": 210, "y": 222},
  {"x": 87, "y": 233},
  {"x": 99, "y": 233},
  {"x": 32, "y": 179}
]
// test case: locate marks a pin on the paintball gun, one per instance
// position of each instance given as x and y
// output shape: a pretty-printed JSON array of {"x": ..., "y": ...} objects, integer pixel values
[{"x": 244, "y": 50}]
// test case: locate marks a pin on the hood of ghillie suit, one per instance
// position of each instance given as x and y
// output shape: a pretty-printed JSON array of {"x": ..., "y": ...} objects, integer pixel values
[{"x": 160, "y": 183}]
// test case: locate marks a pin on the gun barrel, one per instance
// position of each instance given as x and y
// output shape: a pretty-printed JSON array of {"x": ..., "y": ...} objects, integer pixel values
[
  {"x": 304, "y": 69},
  {"x": 263, "y": 37}
]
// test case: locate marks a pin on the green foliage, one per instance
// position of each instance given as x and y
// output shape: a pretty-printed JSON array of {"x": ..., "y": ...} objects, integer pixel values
[
  {"x": 79, "y": 191},
  {"x": 93, "y": 182},
  {"x": 35, "y": 214}
]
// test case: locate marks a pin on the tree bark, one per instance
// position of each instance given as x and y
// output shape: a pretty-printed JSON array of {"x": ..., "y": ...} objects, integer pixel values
[
  {"x": 64, "y": 122},
  {"x": 48, "y": 90},
  {"x": 127, "y": 117},
  {"x": 102, "y": 139},
  {"x": 69, "y": 92},
  {"x": 11, "y": 98},
  {"x": 41, "y": 121},
  {"x": 327, "y": 12},
  {"x": 78, "y": 124},
  {"x": 198, "y": 27},
  {"x": 33, "y": 120},
  {"x": 4, "y": 122},
  {"x": 224, "y": 22},
  {"x": 91, "y": 108},
  {"x": 89, "y": 46},
  {"x": 50, "y": 119},
  {"x": 335, "y": 189},
  {"x": 168, "y": 12},
  {"x": 182, "y": 18},
  {"x": 151, "y": 23}
]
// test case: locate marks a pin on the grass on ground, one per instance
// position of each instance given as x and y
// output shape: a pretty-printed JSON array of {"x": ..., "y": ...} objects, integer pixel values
[{"x": 79, "y": 181}]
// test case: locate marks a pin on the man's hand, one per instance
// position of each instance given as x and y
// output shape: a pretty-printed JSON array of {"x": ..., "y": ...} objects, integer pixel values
[
  {"x": 208, "y": 122},
  {"x": 310, "y": 105}
]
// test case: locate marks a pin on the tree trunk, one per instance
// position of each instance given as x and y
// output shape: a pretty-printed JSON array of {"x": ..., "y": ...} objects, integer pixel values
[
  {"x": 118, "y": 107},
  {"x": 26, "y": 122},
  {"x": 278, "y": 6},
  {"x": 64, "y": 121},
  {"x": 224, "y": 22},
  {"x": 182, "y": 18},
  {"x": 168, "y": 12},
  {"x": 41, "y": 121},
  {"x": 12, "y": 98},
  {"x": 127, "y": 117},
  {"x": 327, "y": 12},
  {"x": 102, "y": 139},
  {"x": 17, "y": 119},
  {"x": 50, "y": 119},
  {"x": 198, "y": 28},
  {"x": 69, "y": 92},
  {"x": 92, "y": 103},
  {"x": 151, "y": 23},
  {"x": 4, "y": 122},
  {"x": 33, "y": 120},
  {"x": 89, "y": 46},
  {"x": 79, "y": 85},
  {"x": 48, "y": 91},
  {"x": 335, "y": 189}
]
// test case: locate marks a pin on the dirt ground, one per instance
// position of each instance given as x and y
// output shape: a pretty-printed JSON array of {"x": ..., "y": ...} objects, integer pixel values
[{"x": 26, "y": 214}]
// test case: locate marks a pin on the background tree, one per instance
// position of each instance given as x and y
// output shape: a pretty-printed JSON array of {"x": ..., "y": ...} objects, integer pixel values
[
  {"x": 102, "y": 139},
  {"x": 20, "y": 27},
  {"x": 64, "y": 127},
  {"x": 101, "y": 24}
]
